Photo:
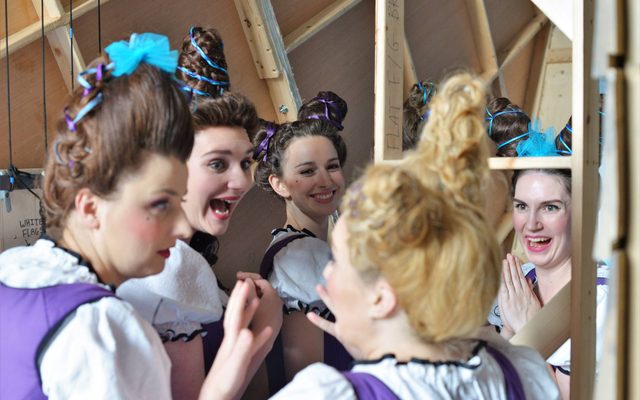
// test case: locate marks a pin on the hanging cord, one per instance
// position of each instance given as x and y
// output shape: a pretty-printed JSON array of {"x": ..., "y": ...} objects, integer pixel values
[
  {"x": 71, "y": 39},
  {"x": 99, "y": 30},
  {"x": 6, "y": 49},
  {"x": 44, "y": 80}
]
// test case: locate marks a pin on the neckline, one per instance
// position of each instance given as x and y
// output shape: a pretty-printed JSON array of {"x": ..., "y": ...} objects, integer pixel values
[
  {"x": 80, "y": 260},
  {"x": 464, "y": 364},
  {"x": 290, "y": 228}
]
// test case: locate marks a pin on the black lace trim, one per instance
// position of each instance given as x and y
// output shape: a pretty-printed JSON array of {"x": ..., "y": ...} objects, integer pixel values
[
  {"x": 207, "y": 245},
  {"x": 290, "y": 229},
  {"x": 480, "y": 345},
  {"x": 171, "y": 336},
  {"x": 306, "y": 308}
]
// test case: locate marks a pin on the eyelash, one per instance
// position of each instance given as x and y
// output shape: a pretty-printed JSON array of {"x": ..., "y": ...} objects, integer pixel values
[
  {"x": 160, "y": 205},
  {"x": 311, "y": 171}
]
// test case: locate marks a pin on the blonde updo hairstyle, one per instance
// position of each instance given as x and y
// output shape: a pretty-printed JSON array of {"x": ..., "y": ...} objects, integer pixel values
[{"x": 421, "y": 230}]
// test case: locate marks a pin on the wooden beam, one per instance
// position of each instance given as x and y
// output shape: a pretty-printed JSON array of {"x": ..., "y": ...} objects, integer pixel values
[
  {"x": 481, "y": 32},
  {"x": 409, "y": 68},
  {"x": 530, "y": 162},
  {"x": 267, "y": 49},
  {"x": 583, "y": 203},
  {"x": 60, "y": 43},
  {"x": 389, "y": 75},
  {"x": 520, "y": 42},
  {"x": 549, "y": 328},
  {"x": 33, "y": 32},
  {"x": 317, "y": 22}
]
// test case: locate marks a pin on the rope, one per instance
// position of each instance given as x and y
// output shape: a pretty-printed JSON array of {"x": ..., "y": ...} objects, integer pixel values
[
  {"x": 44, "y": 80},
  {"x": 71, "y": 40},
  {"x": 6, "y": 49},
  {"x": 99, "y": 30}
]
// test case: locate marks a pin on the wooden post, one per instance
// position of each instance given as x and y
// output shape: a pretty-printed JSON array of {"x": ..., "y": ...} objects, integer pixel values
[
  {"x": 479, "y": 21},
  {"x": 410, "y": 75},
  {"x": 388, "y": 85},
  {"x": 583, "y": 204}
]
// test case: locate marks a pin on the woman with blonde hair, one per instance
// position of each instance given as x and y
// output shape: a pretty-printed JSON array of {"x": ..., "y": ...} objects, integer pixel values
[{"x": 414, "y": 272}]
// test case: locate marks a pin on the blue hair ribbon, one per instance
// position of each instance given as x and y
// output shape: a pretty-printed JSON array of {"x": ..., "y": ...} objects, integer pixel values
[
  {"x": 203, "y": 78},
  {"x": 537, "y": 144},
  {"x": 203, "y": 54},
  {"x": 490, "y": 117}
]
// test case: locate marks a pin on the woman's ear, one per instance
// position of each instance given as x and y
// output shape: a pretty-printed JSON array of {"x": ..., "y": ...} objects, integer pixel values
[
  {"x": 278, "y": 186},
  {"x": 384, "y": 301},
  {"x": 86, "y": 207}
]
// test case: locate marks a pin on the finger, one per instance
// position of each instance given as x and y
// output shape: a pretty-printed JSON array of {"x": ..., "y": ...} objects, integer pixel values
[
  {"x": 322, "y": 323},
  {"x": 252, "y": 289},
  {"x": 518, "y": 284},
  {"x": 506, "y": 279},
  {"x": 242, "y": 275},
  {"x": 261, "y": 338}
]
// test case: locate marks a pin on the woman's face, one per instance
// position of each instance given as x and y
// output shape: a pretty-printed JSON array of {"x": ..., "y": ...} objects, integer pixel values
[
  {"x": 312, "y": 176},
  {"x": 141, "y": 221},
  {"x": 219, "y": 177},
  {"x": 542, "y": 218},
  {"x": 347, "y": 292}
]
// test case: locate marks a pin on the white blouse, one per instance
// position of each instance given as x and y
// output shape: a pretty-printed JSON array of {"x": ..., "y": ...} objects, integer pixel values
[
  {"x": 297, "y": 269},
  {"x": 480, "y": 377},
  {"x": 104, "y": 350},
  {"x": 181, "y": 298}
]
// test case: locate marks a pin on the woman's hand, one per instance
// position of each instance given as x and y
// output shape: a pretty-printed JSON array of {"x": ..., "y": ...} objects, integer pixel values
[
  {"x": 317, "y": 320},
  {"x": 229, "y": 371},
  {"x": 518, "y": 303}
]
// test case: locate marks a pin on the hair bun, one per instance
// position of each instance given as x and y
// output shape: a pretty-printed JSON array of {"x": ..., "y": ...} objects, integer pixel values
[{"x": 326, "y": 106}]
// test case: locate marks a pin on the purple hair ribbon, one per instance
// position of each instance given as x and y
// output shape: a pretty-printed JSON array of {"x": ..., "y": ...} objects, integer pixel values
[
  {"x": 202, "y": 53},
  {"x": 264, "y": 144},
  {"x": 327, "y": 117}
]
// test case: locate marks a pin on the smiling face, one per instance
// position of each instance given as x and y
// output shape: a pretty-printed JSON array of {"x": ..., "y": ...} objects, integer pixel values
[
  {"x": 142, "y": 219},
  {"x": 219, "y": 177},
  {"x": 542, "y": 218},
  {"x": 312, "y": 179}
]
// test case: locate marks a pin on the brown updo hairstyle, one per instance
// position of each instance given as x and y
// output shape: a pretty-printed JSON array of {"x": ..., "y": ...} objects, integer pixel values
[
  {"x": 325, "y": 104},
  {"x": 426, "y": 236},
  {"x": 453, "y": 148},
  {"x": 415, "y": 110},
  {"x": 228, "y": 109},
  {"x": 142, "y": 113},
  {"x": 565, "y": 136},
  {"x": 209, "y": 40},
  {"x": 272, "y": 163},
  {"x": 511, "y": 123}
]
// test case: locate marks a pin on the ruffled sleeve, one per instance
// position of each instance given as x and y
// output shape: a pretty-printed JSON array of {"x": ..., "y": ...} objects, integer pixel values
[
  {"x": 297, "y": 269},
  {"x": 179, "y": 299},
  {"x": 106, "y": 351},
  {"x": 315, "y": 382}
]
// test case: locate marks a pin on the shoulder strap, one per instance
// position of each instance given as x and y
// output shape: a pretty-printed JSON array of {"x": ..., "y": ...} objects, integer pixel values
[
  {"x": 368, "y": 387},
  {"x": 513, "y": 384},
  {"x": 266, "y": 266}
]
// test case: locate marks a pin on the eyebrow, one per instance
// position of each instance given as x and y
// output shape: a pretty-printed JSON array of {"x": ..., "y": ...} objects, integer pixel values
[
  {"x": 544, "y": 202},
  {"x": 170, "y": 192},
  {"x": 225, "y": 152},
  {"x": 313, "y": 162}
]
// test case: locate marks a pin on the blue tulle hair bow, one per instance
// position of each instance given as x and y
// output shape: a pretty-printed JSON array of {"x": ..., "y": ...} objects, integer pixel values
[
  {"x": 538, "y": 143},
  {"x": 150, "y": 48}
]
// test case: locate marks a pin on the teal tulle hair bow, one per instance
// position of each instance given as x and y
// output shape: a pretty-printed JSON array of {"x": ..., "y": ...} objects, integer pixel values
[
  {"x": 538, "y": 143},
  {"x": 150, "y": 48}
]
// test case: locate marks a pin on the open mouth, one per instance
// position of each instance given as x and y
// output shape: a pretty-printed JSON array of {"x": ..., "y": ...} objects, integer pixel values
[
  {"x": 324, "y": 197},
  {"x": 221, "y": 208},
  {"x": 538, "y": 243},
  {"x": 165, "y": 253}
]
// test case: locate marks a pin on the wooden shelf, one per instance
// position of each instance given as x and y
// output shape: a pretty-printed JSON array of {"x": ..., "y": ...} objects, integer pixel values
[{"x": 530, "y": 162}]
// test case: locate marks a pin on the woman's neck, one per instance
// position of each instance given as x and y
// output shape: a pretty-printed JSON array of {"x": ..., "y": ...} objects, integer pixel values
[
  {"x": 81, "y": 244},
  {"x": 300, "y": 221},
  {"x": 552, "y": 280}
]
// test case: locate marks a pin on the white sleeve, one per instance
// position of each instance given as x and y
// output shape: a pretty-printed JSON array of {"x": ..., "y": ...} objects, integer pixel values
[
  {"x": 106, "y": 351},
  {"x": 297, "y": 269},
  {"x": 317, "y": 382}
]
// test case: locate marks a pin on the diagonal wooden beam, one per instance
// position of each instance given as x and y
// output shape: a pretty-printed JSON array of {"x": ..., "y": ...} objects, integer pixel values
[
  {"x": 317, "y": 22},
  {"x": 31, "y": 33},
  {"x": 479, "y": 20},
  {"x": 409, "y": 68},
  {"x": 267, "y": 49},
  {"x": 520, "y": 42},
  {"x": 389, "y": 75}
]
